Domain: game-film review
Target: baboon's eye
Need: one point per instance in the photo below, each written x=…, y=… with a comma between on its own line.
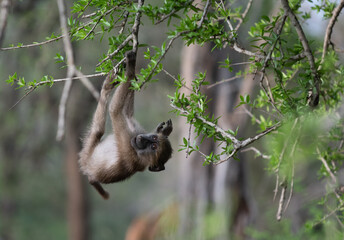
x=154, y=146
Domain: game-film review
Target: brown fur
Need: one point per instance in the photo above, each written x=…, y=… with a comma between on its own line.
x=117, y=158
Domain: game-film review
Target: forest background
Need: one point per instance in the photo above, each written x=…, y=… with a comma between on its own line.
x=255, y=93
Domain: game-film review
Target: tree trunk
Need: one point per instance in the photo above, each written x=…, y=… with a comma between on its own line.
x=206, y=190
x=196, y=187
x=77, y=207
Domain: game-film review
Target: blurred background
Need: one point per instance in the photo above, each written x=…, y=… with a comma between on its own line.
x=42, y=194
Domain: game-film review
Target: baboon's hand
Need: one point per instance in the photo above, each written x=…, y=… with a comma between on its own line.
x=168, y=128
x=160, y=127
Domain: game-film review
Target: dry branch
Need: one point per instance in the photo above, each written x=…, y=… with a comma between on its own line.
x=70, y=71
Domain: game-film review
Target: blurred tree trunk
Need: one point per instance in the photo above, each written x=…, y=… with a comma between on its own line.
x=220, y=190
x=9, y=183
x=77, y=207
x=10, y=174
x=196, y=192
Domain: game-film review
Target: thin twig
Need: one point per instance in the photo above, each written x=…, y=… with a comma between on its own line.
x=292, y=172
x=205, y=10
x=266, y=61
x=94, y=27
x=118, y=49
x=313, y=98
x=66, y=79
x=280, y=158
x=22, y=98
x=259, y=153
x=189, y=138
x=235, y=45
x=237, y=144
x=175, y=79
x=217, y=129
x=327, y=168
x=30, y=89
x=251, y=115
x=281, y=202
x=32, y=45
x=270, y=92
x=136, y=25
x=243, y=15
x=122, y=25
x=250, y=140
x=62, y=109
x=330, y=214
x=328, y=33
x=164, y=17
x=87, y=84
x=224, y=81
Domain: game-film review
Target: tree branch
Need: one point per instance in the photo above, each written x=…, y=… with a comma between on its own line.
x=135, y=29
x=327, y=38
x=164, y=17
x=120, y=47
x=259, y=153
x=32, y=45
x=199, y=25
x=237, y=144
x=281, y=201
x=243, y=15
x=313, y=98
x=217, y=128
x=328, y=169
x=87, y=84
x=70, y=71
